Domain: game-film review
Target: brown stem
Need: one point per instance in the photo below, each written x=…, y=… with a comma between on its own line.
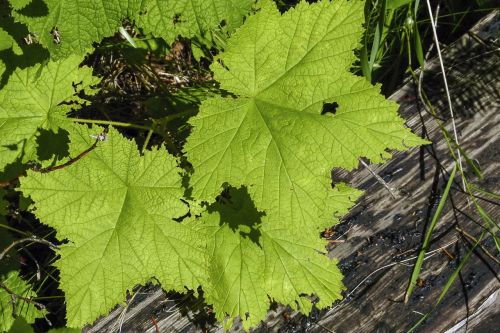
x=15, y=297
x=472, y=238
x=33, y=239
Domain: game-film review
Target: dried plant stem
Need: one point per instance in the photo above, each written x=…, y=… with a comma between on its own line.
x=32, y=239
x=15, y=297
x=379, y=179
x=448, y=96
x=473, y=239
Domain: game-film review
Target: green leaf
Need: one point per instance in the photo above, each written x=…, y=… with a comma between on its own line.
x=6, y=40
x=189, y=18
x=21, y=326
x=417, y=42
x=272, y=137
x=19, y=4
x=235, y=275
x=252, y=260
x=23, y=309
x=79, y=24
x=116, y=208
x=32, y=100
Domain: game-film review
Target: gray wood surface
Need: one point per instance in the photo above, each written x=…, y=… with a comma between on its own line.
x=378, y=239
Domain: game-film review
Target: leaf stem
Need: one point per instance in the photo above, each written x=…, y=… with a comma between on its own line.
x=15, y=297
x=148, y=137
x=109, y=122
x=13, y=229
x=189, y=112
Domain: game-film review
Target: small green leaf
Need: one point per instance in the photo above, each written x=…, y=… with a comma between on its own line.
x=21, y=326
x=6, y=40
x=32, y=100
x=189, y=18
x=19, y=4
x=23, y=309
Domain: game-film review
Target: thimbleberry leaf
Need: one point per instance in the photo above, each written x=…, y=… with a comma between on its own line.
x=272, y=135
x=116, y=209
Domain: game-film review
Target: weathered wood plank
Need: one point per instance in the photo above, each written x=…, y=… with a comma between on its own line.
x=381, y=232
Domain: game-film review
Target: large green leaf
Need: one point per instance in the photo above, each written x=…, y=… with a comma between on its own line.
x=273, y=137
x=23, y=309
x=116, y=208
x=34, y=99
x=80, y=23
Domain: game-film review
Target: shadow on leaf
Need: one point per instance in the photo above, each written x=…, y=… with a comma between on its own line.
x=52, y=146
x=25, y=54
x=36, y=8
x=238, y=211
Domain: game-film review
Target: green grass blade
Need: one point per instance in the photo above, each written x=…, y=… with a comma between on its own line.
x=365, y=66
x=416, y=6
x=417, y=42
x=377, y=37
x=425, y=246
x=492, y=195
x=448, y=283
x=492, y=226
x=395, y=4
x=472, y=165
x=127, y=36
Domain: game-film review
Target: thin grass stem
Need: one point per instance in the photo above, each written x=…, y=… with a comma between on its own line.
x=448, y=283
